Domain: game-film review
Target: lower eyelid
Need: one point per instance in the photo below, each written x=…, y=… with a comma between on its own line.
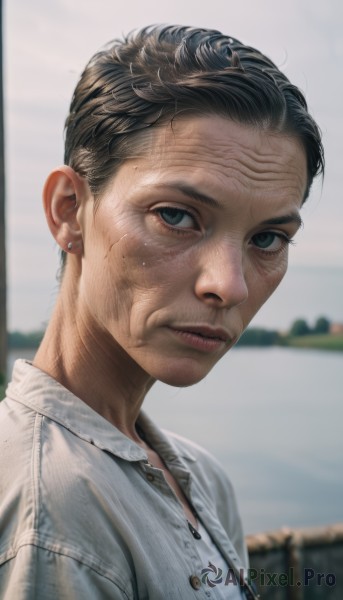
x=185, y=212
x=285, y=241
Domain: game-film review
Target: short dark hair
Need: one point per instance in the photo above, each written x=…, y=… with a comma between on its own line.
x=160, y=72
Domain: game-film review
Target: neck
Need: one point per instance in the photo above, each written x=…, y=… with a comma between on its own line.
x=91, y=364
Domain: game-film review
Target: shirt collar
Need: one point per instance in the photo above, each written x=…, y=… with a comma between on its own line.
x=43, y=394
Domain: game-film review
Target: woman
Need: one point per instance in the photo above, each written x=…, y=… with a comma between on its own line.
x=188, y=158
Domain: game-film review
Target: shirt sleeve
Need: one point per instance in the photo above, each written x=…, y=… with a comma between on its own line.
x=37, y=574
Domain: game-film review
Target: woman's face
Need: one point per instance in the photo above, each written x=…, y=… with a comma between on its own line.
x=188, y=241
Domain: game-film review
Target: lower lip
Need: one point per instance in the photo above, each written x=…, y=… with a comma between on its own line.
x=205, y=344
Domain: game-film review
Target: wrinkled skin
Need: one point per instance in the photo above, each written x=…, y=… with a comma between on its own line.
x=146, y=270
x=192, y=233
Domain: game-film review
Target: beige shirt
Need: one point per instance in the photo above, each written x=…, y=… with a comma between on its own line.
x=84, y=516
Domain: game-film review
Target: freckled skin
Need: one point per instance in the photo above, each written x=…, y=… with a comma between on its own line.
x=139, y=276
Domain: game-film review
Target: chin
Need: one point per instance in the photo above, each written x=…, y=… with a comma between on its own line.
x=182, y=376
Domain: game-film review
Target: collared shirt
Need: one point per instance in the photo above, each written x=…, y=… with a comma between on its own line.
x=83, y=515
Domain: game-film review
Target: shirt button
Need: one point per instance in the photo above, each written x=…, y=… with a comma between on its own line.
x=150, y=477
x=195, y=582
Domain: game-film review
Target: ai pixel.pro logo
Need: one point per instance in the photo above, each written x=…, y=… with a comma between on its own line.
x=213, y=576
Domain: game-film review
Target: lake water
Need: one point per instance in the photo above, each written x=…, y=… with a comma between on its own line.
x=273, y=418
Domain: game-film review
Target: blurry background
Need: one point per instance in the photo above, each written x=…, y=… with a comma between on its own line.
x=270, y=415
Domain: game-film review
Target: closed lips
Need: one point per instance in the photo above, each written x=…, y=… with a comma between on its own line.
x=214, y=334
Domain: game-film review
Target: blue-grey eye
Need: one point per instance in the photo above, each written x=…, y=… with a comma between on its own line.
x=265, y=240
x=176, y=217
x=269, y=241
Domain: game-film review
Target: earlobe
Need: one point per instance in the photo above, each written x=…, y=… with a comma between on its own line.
x=63, y=195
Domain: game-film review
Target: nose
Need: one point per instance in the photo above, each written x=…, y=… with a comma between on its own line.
x=221, y=279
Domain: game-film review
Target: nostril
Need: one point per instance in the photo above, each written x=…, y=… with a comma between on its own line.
x=212, y=296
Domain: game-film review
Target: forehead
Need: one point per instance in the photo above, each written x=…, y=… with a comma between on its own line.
x=217, y=153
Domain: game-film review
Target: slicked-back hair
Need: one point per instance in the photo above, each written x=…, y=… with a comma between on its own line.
x=160, y=72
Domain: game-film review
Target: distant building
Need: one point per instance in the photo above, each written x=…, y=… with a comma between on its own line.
x=336, y=328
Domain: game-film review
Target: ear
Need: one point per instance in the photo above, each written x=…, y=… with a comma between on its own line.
x=64, y=192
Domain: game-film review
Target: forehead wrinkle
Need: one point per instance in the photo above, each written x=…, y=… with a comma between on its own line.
x=230, y=154
x=193, y=130
x=252, y=140
x=233, y=166
x=232, y=176
x=247, y=158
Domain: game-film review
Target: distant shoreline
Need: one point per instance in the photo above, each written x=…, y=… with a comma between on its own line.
x=323, y=335
x=330, y=342
x=252, y=337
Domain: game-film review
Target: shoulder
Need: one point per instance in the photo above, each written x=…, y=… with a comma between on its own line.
x=51, y=506
x=17, y=431
x=17, y=492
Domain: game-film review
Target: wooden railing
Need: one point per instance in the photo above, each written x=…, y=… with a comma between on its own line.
x=298, y=564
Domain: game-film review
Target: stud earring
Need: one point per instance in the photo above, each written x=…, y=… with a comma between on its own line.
x=70, y=245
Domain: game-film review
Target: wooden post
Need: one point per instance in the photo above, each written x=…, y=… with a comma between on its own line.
x=3, y=288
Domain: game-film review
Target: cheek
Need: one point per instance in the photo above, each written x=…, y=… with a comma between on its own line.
x=146, y=264
x=264, y=280
x=135, y=280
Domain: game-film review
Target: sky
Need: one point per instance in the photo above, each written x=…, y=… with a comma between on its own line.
x=47, y=44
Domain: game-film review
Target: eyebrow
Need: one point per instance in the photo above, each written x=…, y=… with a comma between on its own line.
x=192, y=192
x=293, y=217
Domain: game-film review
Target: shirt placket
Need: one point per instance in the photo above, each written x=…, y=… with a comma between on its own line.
x=156, y=477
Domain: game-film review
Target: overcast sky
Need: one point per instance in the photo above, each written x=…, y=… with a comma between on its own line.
x=46, y=45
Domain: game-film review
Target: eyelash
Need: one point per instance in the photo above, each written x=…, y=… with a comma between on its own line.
x=185, y=230
x=175, y=228
x=284, y=239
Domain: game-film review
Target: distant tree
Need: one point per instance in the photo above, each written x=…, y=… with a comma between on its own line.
x=18, y=339
x=299, y=327
x=258, y=337
x=322, y=325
